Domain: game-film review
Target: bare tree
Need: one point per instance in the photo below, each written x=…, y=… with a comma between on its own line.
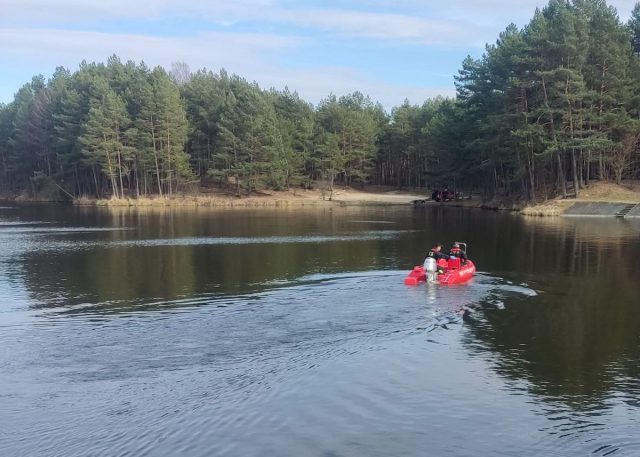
x=180, y=73
x=622, y=156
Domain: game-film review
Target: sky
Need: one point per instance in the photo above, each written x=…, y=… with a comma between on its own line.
x=391, y=50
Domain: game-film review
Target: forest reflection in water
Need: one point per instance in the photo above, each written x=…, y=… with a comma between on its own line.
x=578, y=340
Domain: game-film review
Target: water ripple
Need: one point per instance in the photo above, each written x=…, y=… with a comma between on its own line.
x=326, y=364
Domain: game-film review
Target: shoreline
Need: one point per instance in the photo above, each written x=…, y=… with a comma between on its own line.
x=273, y=199
x=597, y=192
x=349, y=197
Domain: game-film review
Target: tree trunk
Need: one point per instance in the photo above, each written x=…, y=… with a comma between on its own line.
x=574, y=160
x=169, y=163
x=574, y=170
x=333, y=175
x=532, y=183
x=95, y=180
x=112, y=175
x=600, y=111
x=155, y=156
x=561, y=176
x=120, y=173
x=136, y=176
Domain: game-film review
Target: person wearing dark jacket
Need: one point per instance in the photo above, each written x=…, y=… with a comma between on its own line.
x=457, y=252
x=437, y=254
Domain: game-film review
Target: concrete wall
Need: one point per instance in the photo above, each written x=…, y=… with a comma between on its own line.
x=635, y=212
x=600, y=209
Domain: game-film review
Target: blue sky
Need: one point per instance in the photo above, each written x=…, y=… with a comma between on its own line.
x=391, y=50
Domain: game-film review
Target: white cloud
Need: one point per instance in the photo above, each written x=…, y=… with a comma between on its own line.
x=248, y=55
x=376, y=25
x=68, y=47
x=344, y=22
x=462, y=21
x=18, y=12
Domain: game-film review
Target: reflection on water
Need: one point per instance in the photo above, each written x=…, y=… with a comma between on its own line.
x=289, y=332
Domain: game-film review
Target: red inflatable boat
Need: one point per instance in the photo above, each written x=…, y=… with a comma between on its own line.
x=455, y=273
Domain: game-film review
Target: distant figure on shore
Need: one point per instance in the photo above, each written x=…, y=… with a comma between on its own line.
x=442, y=195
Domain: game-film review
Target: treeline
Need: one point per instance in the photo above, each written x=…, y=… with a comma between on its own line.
x=553, y=103
x=122, y=129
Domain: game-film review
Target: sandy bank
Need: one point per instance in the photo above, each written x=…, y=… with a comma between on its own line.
x=341, y=197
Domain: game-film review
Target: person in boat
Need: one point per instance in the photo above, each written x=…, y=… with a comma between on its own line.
x=456, y=251
x=437, y=254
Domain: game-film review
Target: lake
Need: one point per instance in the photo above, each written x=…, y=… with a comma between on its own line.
x=289, y=332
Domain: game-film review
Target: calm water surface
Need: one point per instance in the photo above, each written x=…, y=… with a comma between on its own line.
x=290, y=333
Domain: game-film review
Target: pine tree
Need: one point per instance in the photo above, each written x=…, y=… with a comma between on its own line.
x=104, y=138
x=634, y=28
x=172, y=131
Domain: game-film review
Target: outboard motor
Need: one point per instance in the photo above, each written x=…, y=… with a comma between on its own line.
x=431, y=269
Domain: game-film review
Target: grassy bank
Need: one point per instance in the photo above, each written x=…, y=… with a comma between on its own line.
x=340, y=197
x=596, y=192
